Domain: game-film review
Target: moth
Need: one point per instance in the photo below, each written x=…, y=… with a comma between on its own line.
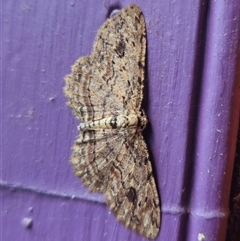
x=105, y=91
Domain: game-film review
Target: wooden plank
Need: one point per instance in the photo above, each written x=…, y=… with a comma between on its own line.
x=217, y=124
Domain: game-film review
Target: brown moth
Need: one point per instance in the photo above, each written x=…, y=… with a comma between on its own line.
x=105, y=91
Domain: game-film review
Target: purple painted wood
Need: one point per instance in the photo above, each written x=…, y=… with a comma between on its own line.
x=217, y=123
x=192, y=48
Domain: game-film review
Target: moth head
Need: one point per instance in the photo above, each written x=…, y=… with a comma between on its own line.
x=142, y=120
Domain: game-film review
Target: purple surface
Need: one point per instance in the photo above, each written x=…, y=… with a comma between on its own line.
x=218, y=122
x=191, y=62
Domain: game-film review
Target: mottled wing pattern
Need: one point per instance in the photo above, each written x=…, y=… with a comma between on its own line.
x=86, y=101
x=93, y=155
x=131, y=194
x=111, y=79
x=119, y=54
x=120, y=168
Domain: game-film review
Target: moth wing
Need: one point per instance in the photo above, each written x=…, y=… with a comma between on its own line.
x=119, y=57
x=131, y=194
x=111, y=79
x=85, y=99
x=93, y=155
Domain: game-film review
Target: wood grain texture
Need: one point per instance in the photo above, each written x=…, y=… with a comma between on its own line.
x=41, y=39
